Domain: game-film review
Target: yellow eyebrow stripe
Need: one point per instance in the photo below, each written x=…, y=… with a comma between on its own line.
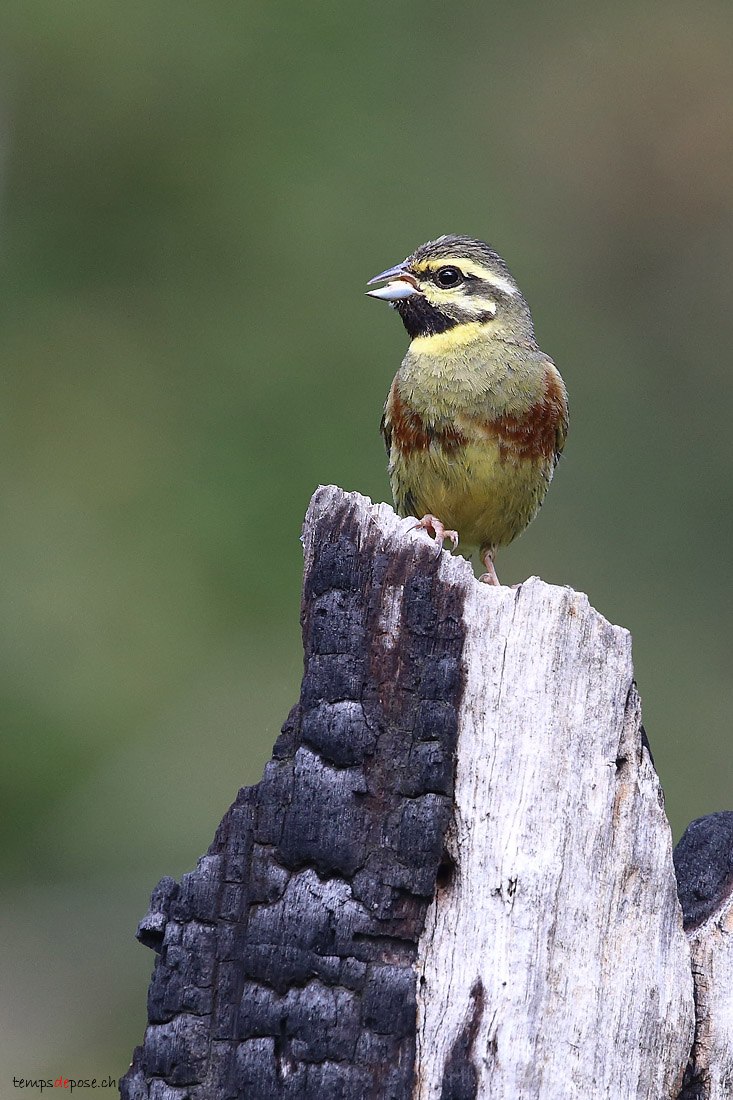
x=468, y=267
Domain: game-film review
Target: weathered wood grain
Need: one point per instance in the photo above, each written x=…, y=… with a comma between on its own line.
x=553, y=964
x=454, y=880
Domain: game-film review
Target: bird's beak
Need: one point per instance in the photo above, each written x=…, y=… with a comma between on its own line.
x=400, y=284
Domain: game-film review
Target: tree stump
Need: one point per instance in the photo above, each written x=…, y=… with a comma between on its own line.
x=455, y=879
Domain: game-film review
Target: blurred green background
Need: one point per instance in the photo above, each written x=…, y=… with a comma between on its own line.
x=192, y=198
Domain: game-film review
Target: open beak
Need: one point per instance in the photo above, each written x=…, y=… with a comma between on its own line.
x=400, y=284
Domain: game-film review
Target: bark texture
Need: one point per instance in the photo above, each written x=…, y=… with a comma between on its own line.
x=286, y=960
x=454, y=880
x=704, y=864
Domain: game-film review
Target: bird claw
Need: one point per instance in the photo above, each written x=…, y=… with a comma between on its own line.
x=432, y=524
x=490, y=576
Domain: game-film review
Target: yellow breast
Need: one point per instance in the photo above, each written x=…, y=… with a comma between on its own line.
x=474, y=489
x=475, y=441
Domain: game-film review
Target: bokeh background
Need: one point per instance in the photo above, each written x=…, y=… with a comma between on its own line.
x=192, y=198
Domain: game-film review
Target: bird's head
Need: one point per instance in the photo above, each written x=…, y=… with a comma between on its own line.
x=455, y=281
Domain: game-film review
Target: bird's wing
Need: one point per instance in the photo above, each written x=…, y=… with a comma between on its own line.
x=385, y=425
x=526, y=409
x=557, y=395
x=385, y=428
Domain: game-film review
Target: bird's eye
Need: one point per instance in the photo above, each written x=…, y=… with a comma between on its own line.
x=448, y=276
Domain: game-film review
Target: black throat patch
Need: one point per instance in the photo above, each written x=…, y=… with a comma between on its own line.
x=420, y=318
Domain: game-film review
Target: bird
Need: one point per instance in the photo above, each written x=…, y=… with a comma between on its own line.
x=477, y=415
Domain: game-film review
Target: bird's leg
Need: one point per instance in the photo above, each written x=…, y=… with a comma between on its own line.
x=433, y=524
x=490, y=576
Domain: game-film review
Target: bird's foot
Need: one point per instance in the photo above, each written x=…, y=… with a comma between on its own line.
x=432, y=524
x=490, y=576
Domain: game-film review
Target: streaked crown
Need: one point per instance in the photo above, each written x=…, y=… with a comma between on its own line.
x=455, y=280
